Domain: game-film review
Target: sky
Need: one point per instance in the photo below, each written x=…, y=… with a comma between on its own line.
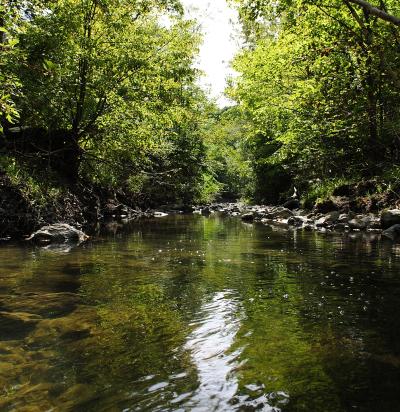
x=220, y=43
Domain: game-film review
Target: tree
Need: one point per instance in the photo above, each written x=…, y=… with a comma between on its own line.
x=85, y=58
x=319, y=85
x=9, y=18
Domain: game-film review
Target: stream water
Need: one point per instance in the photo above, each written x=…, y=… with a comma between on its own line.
x=192, y=313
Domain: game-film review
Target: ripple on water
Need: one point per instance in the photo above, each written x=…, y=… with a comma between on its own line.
x=210, y=344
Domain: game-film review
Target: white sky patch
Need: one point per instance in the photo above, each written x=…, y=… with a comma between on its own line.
x=219, y=25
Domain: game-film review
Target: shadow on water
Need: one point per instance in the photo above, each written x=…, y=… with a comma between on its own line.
x=189, y=313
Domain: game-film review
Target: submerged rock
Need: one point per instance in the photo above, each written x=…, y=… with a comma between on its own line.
x=16, y=325
x=58, y=233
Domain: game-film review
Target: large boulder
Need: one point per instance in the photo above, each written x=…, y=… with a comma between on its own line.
x=58, y=233
x=390, y=218
x=206, y=211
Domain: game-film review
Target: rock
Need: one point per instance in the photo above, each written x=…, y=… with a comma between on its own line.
x=374, y=223
x=359, y=222
x=113, y=208
x=374, y=230
x=392, y=233
x=343, y=218
x=78, y=325
x=248, y=217
x=58, y=233
x=292, y=204
x=44, y=304
x=279, y=213
x=297, y=221
x=17, y=325
x=300, y=212
x=334, y=203
x=206, y=211
x=160, y=214
x=328, y=219
x=340, y=227
x=187, y=209
x=75, y=396
x=390, y=218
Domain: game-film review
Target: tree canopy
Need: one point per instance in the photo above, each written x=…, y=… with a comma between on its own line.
x=319, y=87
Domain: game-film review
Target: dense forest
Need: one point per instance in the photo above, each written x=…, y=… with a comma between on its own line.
x=100, y=99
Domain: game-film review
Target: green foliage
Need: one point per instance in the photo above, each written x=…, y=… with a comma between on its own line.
x=320, y=190
x=9, y=82
x=319, y=89
x=228, y=160
x=121, y=88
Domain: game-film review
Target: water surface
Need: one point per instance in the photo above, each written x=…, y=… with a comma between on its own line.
x=189, y=313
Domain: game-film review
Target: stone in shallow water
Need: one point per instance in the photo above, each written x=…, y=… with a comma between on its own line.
x=17, y=325
x=44, y=304
x=76, y=326
x=296, y=221
x=58, y=233
x=76, y=395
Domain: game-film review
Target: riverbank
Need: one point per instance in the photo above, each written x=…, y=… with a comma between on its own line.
x=25, y=208
x=385, y=223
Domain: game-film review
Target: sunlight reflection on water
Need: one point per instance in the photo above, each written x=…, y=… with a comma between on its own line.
x=210, y=343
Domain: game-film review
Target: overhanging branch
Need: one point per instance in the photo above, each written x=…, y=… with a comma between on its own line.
x=377, y=12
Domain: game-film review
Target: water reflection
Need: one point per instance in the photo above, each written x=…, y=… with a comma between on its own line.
x=202, y=314
x=210, y=342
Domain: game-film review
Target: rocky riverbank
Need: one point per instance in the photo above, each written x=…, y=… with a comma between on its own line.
x=83, y=206
x=386, y=223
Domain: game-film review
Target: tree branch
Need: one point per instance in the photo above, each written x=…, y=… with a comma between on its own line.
x=377, y=12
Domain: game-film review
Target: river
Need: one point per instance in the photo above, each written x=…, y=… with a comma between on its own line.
x=193, y=313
